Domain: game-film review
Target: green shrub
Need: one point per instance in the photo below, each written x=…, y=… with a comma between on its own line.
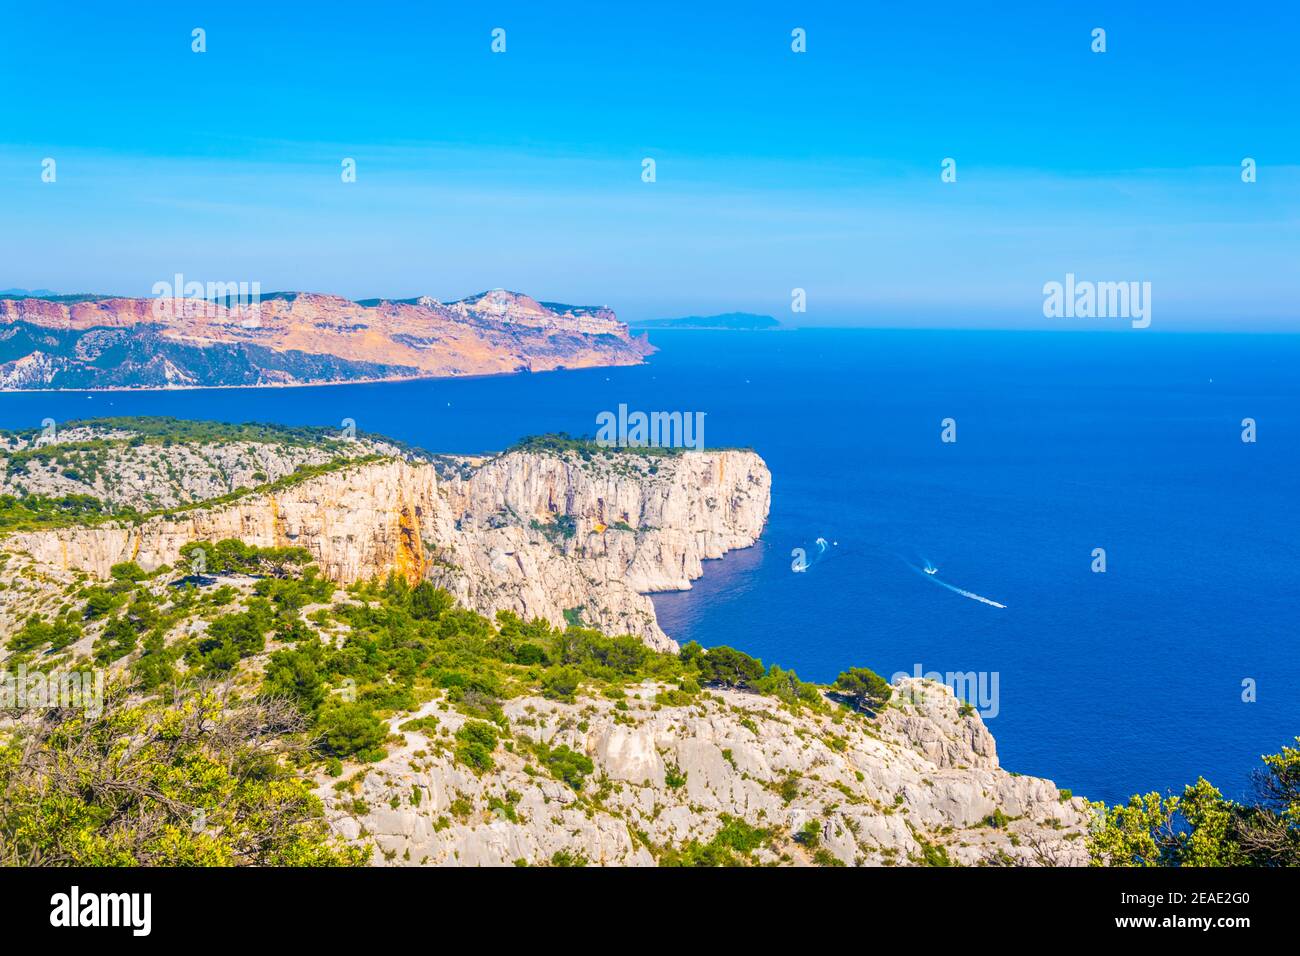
x=296, y=674
x=810, y=834
x=561, y=683
x=864, y=687
x=729, y=667
x=567, y=765
x=349, y=729
x=476, y=741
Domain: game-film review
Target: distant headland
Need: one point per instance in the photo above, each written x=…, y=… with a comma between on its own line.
x=192, y=336
x=727, y=321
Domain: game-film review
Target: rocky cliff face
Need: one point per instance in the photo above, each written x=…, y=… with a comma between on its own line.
x=875, y=793
x=541, y=534
x=352, y=521
x=529, y=532
x=297, y=338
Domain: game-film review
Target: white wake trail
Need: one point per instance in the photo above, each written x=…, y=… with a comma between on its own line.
x=956, y=590
x=970, y=594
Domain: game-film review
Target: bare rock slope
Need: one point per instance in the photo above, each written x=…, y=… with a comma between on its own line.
x=918, y=785
x=536, y=533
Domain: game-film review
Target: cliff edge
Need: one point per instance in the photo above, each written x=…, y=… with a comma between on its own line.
x=546, y=535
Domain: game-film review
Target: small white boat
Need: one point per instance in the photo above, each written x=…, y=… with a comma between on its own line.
x=930, y=570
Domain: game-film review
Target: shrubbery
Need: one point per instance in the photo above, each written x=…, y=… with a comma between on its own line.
x=193, y=781
x=397, y=646
x=1201, y=828
x=476, y=740
x=866, y=688
x=233, y=556
x=349, y=730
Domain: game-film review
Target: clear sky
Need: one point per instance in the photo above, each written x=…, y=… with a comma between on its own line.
x=775, y=170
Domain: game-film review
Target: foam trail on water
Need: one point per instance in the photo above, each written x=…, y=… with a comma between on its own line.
x=806, y=562
x=970, y=594
x=956, y=590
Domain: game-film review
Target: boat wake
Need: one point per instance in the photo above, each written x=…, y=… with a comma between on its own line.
x=821, y=552
x=930, y=573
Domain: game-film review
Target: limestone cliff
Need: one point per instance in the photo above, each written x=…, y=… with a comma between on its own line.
x=875, y=792
x=632, y=525
x=489, y=534
x=97, y=342
x=111, y=463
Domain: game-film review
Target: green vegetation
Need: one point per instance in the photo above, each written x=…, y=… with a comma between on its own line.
x=565, y=764
x=334, y=680
x=561, y=683
x=997, y=820
x=932, y=854
x=725, y=666
x=34, y=512
x=37, y=632
x=88, y=459
x=174, y=746
x=232, y=556
x=560, y=443
x=864, y=687
x=558, y=529
x=569, y=858
x=164, y=430
x=350, y=730
x=39, y=511
x=296, y=477
x=1201, y=828
x=810, y=835
x=193, y=781
x=732, y=845
x=71, y=299
x=476, y=741
x=674, y=777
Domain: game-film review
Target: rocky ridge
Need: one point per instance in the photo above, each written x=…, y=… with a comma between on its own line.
x=924, y=774
x=535, y=533
x=149, y=476
x=297, y=338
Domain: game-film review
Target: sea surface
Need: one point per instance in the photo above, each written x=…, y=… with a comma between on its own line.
x=1108, y=683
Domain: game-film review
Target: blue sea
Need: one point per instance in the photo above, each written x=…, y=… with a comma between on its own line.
x=1108, y=683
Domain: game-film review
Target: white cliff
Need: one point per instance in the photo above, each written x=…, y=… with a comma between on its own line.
x=876, y=791
x=490, y=538
x=634, y=530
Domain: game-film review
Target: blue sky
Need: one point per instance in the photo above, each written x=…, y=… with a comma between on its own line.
x=775, y=170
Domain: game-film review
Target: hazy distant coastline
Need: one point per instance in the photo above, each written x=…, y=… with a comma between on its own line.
x=725, y=322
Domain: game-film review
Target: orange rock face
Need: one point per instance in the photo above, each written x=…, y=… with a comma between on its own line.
x=490, y=333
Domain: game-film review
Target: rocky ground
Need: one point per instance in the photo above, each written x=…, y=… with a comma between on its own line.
x=150, y=476
x=865, y=791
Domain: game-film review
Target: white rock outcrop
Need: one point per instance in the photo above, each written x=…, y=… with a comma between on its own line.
x=535, y=533
x=877, y=790
x=634, y=524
